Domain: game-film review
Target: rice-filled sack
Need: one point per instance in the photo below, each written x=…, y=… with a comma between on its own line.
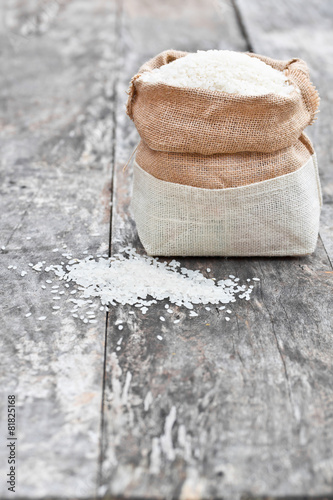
x=223, y=166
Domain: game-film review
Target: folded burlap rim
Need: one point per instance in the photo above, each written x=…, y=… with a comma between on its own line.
x=188, y=120
x=224, y=170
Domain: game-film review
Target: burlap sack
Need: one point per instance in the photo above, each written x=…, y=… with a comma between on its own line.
x=186, y=120
x=221, y=174
x=223, y=170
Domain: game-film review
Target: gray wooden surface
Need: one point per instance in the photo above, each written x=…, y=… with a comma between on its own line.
x=216, y=410
x=56, y=137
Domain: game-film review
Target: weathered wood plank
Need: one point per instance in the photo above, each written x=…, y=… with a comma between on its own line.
x=216, y=409
x=326, y=229
x=56, y=134
x=302, y=29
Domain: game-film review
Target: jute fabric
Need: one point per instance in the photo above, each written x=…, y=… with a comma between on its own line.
x=193, y=120
x=223, y=170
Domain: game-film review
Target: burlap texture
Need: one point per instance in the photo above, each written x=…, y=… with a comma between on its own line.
x=223, y=170
x=187, y=120
x=279, y=216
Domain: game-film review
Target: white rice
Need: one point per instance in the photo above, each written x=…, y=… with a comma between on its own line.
x=154, y=280
x=111, y=280
x=221, y=70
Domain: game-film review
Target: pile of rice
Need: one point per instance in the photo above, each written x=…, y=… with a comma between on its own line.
x=222, y=70
x=111, y=281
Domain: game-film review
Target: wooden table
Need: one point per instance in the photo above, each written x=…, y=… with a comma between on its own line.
x=217, y=410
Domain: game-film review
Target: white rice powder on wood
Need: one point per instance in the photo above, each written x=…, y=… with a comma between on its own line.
x=221, y=70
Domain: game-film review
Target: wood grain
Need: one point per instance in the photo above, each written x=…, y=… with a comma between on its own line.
x=215, y=409
x=56, y=131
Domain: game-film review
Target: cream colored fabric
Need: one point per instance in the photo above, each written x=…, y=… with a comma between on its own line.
x=279, y=216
